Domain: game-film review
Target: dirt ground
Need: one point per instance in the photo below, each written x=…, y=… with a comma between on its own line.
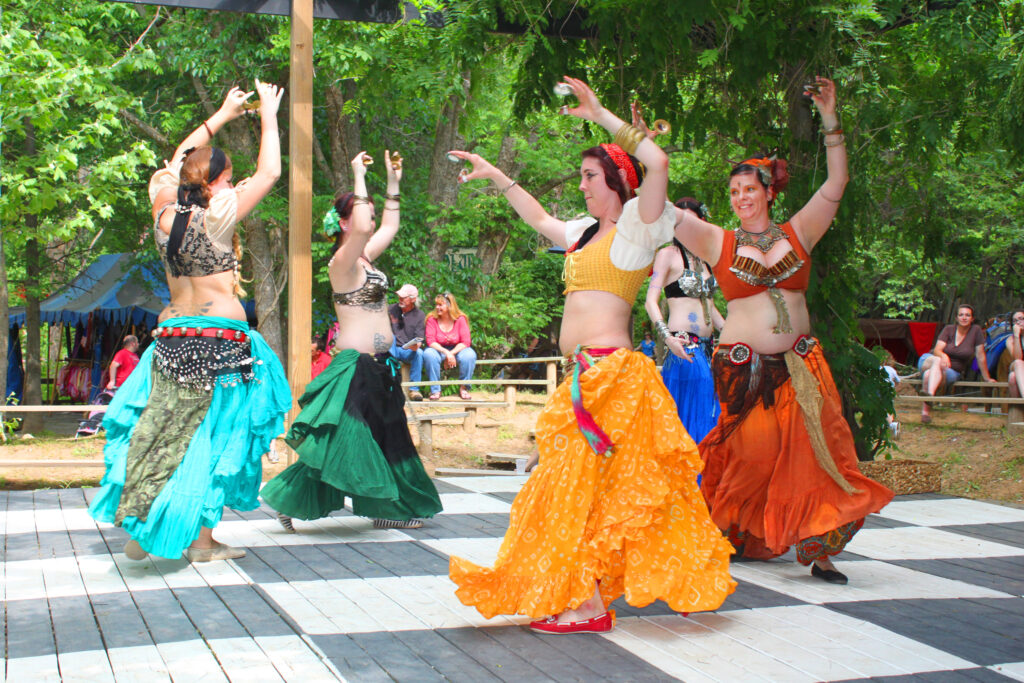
x=979, y=459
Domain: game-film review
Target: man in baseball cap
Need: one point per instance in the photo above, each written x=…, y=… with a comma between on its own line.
x=408, y=323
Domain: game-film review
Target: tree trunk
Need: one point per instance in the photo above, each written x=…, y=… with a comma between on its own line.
x=33, y=389
x=443, y=185
x=344, y=134
x=494, y=238
x=264, y=261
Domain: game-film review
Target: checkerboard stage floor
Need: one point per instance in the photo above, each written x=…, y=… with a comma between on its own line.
x=935, y=594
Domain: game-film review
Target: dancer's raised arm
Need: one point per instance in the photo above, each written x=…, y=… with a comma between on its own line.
x=813, y=220
x=389, y=220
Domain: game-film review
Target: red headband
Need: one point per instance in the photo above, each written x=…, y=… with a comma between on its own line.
x=621, y=159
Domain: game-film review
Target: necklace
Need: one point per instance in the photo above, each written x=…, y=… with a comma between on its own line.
x=762, y=241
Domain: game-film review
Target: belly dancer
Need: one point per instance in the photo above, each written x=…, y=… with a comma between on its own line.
x=692, y=318
x=780, y=466
x=613, y=507
x=187, y=430
x=351, y=436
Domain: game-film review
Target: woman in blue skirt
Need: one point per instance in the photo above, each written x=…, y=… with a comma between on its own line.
x=187, y=430
x=692, y=317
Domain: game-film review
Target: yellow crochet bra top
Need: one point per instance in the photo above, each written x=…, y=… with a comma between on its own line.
x=591, y=268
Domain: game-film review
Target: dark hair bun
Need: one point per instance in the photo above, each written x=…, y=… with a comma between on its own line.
x=780, y=175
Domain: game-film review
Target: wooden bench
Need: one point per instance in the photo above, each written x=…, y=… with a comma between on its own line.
x=425, y=429
x=76, y=408
x=1015, y=405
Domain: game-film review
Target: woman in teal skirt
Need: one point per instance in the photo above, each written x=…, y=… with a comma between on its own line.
x=187, y=430
x=351, y=436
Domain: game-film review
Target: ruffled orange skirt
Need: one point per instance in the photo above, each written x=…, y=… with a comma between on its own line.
x=635, y=521
x=761, y=479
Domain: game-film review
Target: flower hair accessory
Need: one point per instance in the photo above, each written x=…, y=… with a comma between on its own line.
x=621, y=159
x=332, y=222
x=764, y=169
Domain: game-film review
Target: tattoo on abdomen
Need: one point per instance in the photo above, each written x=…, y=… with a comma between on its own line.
x=380, y=343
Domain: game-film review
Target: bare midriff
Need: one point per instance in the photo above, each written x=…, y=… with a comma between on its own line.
x=594, y=318
x=212, y=295
x=363, y=330
x=750, y=320
x=686, y=314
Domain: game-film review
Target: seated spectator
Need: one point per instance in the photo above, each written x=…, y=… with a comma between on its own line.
x=408, y=324
x=448, y=341
x=951, y=357
x=321, y=359
x=1015, y=347
x=124, y=362
x=646, y=347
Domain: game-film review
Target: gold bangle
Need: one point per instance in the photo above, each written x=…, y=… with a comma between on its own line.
x=628, y=138
x=833, y=130
x=836, y=143
x=392, y=197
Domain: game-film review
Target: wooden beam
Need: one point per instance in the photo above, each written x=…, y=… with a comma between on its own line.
x=300, y=199
x=375, y=11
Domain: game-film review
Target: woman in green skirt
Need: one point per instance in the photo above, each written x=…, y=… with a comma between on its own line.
x=351, y=436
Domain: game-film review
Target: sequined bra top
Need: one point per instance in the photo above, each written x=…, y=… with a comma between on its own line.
x=691, y=284
x=741, y=276
x=197, y=256
x=592, y=269
x=373, y=291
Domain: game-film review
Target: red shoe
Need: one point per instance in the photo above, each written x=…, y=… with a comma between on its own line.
x=602, y=623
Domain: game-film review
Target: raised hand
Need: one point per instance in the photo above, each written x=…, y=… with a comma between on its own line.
x=394, y=174
x=825, y=98
x=359, y=165
x=270, y=98
x=233, y=102
x=589, y=106
x=639, y=123
x=675, y=345
x=481, y=167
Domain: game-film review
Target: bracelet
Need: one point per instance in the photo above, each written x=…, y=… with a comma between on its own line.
x=836, y=143
x=834, y=130
x=391, y=208
x=509, y=187
x=662, y=329
x=628, y=138
x=359, y=199
x=392, y=197
x=207, y=127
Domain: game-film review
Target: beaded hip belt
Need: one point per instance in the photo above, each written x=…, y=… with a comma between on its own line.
x=200, y=361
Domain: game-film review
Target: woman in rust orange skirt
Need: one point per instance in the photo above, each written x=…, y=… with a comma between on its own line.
x=781, y=469
x=613, y=507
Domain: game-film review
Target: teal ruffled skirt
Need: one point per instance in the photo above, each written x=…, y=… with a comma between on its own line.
x=222, y=462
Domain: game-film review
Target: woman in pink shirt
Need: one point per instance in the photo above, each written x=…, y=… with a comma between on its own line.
x=448, y=342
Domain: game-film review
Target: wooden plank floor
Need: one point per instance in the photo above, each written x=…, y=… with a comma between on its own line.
x=936, y=593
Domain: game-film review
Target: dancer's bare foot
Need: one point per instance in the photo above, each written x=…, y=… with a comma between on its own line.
x=593, y=607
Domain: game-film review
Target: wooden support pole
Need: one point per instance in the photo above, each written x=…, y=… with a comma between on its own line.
x=300, y=199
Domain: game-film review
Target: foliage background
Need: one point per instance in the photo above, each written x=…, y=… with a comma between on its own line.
x=931, y=96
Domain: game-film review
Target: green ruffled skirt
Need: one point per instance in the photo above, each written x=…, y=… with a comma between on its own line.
x=353, y=441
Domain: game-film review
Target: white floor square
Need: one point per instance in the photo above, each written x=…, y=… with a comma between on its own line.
x=951, y=511
x=869, y=580
x=924, y=543
x=488, y=484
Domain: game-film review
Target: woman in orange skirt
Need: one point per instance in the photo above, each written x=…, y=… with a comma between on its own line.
x=780, y=466
x=613, y=508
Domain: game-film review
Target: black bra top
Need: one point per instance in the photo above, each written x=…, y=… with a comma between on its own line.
x=691, y=284
x=197, y=256
x=374, y=290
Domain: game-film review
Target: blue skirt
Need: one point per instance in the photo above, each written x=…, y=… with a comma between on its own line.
x=222, y=464
x=693, y=389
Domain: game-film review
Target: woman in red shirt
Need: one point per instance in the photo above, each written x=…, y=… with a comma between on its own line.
x=448, y=342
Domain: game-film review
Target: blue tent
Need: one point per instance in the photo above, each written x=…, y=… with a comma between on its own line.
x=115, y=287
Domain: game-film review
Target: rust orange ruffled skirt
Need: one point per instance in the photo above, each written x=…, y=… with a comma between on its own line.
x=635, y=520
x=762, y=480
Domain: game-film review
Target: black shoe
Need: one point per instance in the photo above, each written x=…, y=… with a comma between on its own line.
x=829, y=575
